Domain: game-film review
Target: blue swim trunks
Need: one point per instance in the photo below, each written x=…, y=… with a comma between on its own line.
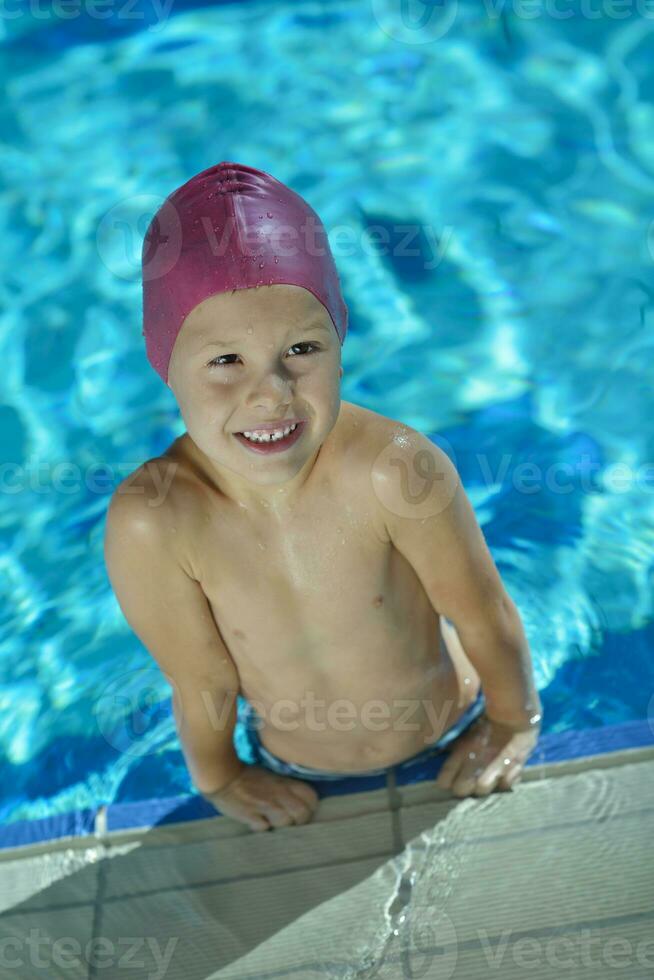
x=262, y=756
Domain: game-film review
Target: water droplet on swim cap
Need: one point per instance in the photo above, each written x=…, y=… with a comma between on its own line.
x=200, y=263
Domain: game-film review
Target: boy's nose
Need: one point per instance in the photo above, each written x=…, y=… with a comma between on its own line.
x=272, y=393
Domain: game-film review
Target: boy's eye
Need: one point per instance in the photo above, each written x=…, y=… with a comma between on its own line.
x=216, y=361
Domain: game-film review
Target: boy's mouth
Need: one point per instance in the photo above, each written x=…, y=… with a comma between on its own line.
x=272, y=445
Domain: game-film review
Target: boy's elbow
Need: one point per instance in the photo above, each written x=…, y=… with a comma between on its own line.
x=206, y=711
x=491, y=621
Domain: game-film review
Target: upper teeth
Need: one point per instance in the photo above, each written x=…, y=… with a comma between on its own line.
x=270, y=436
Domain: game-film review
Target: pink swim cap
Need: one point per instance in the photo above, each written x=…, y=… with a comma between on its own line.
x=230, y=227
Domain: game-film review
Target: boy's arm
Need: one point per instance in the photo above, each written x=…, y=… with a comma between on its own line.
x=432, y=523
x=170, y=614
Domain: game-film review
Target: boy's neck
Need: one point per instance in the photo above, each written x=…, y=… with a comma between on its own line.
x=272, y=501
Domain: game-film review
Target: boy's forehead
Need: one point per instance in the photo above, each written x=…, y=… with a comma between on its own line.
x=278, y=306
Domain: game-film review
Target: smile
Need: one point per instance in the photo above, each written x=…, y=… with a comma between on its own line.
x=269, y=445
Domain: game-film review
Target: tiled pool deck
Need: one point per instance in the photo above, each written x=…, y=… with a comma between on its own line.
x=565, y=858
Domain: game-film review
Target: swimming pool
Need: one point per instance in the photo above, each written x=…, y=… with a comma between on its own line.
x=519, y=337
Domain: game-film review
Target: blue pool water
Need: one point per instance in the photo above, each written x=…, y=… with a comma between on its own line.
x=519, y=337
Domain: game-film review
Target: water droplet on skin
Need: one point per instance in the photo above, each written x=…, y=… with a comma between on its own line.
x=276, y=260
x=261, y=265
x=269, y=214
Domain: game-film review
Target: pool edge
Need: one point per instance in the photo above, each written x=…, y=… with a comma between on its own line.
x=87, y=827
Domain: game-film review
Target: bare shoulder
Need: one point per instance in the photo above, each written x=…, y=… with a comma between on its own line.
x=366, y=438
x=152, y=502
x=403, y=472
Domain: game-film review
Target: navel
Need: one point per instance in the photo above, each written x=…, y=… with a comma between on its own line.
x=378, y=600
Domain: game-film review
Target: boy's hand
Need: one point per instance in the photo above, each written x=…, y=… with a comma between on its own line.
x=262, y=799
x=488, y=756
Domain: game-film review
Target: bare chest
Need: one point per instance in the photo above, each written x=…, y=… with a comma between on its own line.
x=304, y=602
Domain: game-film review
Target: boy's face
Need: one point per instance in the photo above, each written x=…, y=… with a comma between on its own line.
x=252, y=356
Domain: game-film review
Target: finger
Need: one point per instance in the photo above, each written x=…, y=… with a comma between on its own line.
x=451, y=767
x=259, y=823
x=277, y=815
x=467, y=781
x=486, y=784
x=495, y=774
x=304, y=791
x=511, y=777
x=299, y=809
x=481, y=780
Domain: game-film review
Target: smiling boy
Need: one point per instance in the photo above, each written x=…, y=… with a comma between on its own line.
x=332, y=573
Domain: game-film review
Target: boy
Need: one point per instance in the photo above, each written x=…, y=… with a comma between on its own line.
x=335, y=567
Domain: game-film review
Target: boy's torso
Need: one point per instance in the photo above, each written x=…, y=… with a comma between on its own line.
x=321, y=614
